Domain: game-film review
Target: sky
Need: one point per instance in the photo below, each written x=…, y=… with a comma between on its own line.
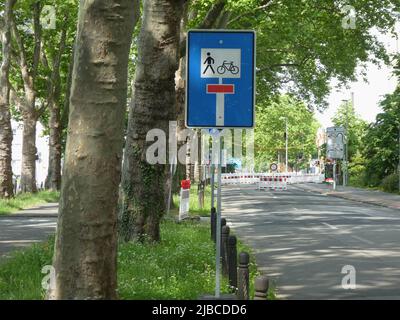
x=366, y=95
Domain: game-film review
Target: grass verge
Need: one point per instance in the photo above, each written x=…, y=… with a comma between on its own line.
x=180, y=267
x=27, y=200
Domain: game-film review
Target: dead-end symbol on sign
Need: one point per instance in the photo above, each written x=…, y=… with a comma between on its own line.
x=220, y=90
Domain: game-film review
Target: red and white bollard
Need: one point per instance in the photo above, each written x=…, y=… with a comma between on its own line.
x=184, y=203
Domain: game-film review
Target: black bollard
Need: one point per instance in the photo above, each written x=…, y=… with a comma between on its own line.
x=232, y=262
x=223, y=222
x=213, y=219
x=243, y=276
x=261, y=285
x=224, y=251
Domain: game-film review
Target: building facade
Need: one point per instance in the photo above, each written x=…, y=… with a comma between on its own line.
x=42, y=162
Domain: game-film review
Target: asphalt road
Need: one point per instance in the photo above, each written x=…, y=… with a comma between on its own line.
x=302, y=241
x=21, y=230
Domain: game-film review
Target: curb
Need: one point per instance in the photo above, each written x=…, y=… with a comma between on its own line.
x=339, y=195
x=28, y=215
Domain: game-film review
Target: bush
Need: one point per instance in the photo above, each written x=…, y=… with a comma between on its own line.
x=391, y=183
x=357, y=176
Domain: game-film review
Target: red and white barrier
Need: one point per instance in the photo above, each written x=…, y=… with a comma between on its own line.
x=272, y=183
x=255, y=178
x=236, y=178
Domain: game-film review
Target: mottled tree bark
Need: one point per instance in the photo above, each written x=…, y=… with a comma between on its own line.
x=180, y=173
x=29, y=153
x=53, y=179
x=28, y=108
x=6, y=135
x=86, y=242
x=153, y=103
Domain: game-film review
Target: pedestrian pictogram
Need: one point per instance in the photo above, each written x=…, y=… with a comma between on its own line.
x=220, y=79
x=209, y=61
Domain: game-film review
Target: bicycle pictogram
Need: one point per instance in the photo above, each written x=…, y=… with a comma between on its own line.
x=228, y=66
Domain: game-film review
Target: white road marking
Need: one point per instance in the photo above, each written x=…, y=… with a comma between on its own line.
x=330, y=226
x=363, y=240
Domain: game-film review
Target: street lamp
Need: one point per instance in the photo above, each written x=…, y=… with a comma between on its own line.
x=286, y=141
x=346, y=156
x=346, y=102
x=398, y=164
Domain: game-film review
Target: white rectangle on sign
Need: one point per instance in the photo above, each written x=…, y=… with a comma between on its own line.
x=220, y=63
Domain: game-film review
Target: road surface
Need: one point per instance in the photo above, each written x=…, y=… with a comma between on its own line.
x=302, y=241
x=21, y=230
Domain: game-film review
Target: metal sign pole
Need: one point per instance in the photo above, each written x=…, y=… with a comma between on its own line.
x=218, y=231
x=334, y=175
x=212, y=184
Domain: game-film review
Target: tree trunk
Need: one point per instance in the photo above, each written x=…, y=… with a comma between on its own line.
x=53, y=179
x=153, y=103
x=29, y=153
x=180, y=76
x=86, y=243
x=29, y=112
x=6, y=135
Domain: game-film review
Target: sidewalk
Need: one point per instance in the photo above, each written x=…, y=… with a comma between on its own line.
x=24, y=228
x=355, y=194
x=40, y=211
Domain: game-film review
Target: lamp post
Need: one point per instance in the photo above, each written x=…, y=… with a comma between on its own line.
x=286, y=142
x=346, y=155
x=398, y=164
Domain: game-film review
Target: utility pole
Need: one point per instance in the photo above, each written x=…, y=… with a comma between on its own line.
x=347, y=141
x=286, y=141
x=346, y=155
x=398, y=165
x=398, y=61
x=346, y=126
x=286, y=125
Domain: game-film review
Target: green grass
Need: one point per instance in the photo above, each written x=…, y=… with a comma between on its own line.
x=27, y=200
x=20, y=275
x=181, y=266
x=205, y=212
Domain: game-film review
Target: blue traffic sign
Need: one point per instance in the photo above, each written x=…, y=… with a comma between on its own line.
x=220, y=79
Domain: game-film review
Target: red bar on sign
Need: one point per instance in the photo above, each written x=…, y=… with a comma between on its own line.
x=220, y=88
